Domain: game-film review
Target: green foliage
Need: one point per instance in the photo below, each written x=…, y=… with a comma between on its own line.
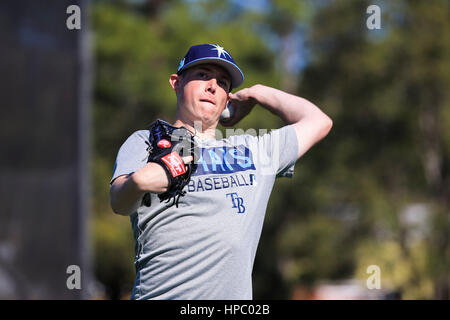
x=327, y=235
x=386, y=95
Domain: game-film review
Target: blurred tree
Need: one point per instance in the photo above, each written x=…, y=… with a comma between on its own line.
x=387, y=92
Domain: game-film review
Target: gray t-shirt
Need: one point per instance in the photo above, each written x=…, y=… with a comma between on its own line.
x=205, y=248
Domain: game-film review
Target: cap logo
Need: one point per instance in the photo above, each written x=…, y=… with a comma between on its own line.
x=220, y=51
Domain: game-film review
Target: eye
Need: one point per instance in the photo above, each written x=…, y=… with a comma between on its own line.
x=224, y=84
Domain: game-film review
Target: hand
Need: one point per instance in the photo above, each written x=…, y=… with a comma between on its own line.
x=243, y=102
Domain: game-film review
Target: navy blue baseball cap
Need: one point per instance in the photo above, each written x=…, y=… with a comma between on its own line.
x=215, y=54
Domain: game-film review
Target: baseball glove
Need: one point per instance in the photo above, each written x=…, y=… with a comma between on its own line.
x=166, y=146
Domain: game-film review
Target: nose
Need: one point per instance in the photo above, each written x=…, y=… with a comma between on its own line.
x=212, y=85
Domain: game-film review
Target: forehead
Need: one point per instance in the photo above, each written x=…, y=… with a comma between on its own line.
x=213, y=68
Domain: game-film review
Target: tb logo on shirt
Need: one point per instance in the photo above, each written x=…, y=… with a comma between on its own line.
x=238, y=202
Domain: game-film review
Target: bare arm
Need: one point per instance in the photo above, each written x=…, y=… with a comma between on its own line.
x=126, y=191
x=310, y=124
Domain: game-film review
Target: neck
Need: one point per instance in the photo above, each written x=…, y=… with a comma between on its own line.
x=199, y=130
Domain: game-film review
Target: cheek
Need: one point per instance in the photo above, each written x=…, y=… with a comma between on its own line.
x=191, y=89
x=188, y=94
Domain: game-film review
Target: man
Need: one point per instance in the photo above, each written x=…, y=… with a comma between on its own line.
x=204, y=247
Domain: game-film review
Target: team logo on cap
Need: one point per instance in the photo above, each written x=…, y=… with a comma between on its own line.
x=164, y=144
x=220, y=51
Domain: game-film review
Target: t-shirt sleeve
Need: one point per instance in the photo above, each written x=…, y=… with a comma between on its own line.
x=278, y=151
x=132, y=155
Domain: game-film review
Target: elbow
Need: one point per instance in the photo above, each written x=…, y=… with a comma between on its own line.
x=112, y=199
x=119, y=211
x=325, y=126
x=114, y=208
x=328, y=125
x=115, y=205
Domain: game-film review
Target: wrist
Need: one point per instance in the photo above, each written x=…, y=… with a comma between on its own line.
x=151, y=178
x=263, y=95
x=255, y=91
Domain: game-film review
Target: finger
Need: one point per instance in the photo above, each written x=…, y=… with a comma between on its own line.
x=236, y=96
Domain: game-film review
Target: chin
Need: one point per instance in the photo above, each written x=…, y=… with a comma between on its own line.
x=206, y=114
x=208, y=119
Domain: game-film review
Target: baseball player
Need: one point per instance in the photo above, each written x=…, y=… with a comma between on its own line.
x=197, y=203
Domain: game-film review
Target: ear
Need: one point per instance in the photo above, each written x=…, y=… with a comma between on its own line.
x=228, y=97
x=226, y=102
x=175, y=81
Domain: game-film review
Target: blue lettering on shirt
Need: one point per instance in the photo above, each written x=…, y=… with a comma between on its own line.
x=208, y=183
x=224, y=160
x=223, y=182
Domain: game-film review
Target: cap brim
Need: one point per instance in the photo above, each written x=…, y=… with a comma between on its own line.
x=237, y=77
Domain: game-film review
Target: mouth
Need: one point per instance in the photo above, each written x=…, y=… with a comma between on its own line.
x=207, y=100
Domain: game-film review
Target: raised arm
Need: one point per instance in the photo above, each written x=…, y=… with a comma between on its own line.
x=309, y=122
